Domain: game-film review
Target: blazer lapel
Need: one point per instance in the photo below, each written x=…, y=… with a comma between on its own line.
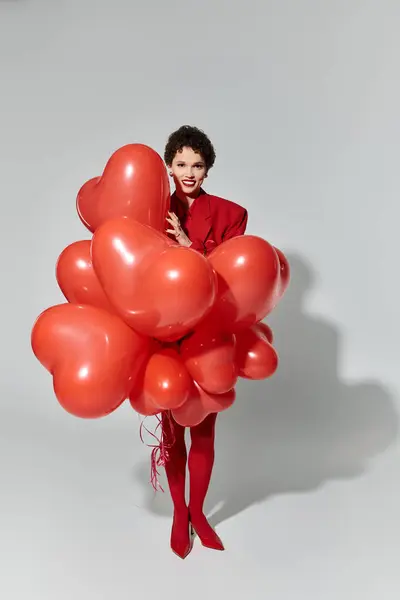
x=201, y=222
x=202, y=218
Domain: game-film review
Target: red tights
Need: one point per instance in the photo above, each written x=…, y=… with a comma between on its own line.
x=200, y=464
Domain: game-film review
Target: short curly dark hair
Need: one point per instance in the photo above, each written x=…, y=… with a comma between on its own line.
x=188, y=136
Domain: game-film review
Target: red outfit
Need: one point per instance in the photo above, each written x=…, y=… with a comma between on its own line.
x=208, y=222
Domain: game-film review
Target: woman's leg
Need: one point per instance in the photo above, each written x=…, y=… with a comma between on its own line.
x=175, y=468
x=201, y=462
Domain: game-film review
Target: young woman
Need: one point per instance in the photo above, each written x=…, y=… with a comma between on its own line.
x=202, y=222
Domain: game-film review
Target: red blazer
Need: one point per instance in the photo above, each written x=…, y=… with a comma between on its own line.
x=210, y=220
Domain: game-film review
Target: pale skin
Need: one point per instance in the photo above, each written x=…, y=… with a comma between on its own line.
x=188, y=171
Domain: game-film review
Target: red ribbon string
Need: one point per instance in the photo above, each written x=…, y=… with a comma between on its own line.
x=160, y=450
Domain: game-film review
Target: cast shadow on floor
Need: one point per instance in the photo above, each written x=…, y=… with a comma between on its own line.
x=298, y=430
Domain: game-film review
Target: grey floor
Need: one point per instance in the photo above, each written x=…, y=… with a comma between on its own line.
x=305, y=491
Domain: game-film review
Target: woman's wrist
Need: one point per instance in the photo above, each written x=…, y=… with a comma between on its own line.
x=183, y=240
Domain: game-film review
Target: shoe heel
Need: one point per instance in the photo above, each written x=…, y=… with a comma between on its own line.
x=212, y=540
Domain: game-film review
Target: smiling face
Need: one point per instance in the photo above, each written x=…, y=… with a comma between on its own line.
x=189, y=170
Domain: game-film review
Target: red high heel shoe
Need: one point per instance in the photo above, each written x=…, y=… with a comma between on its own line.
x=207, y=535
x=181, y=535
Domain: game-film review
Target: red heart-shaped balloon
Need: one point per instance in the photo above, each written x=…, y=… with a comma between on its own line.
x=94, y=357
x=200, y=404
x=284, y=272
x=248, y=271
x=266, y=331
x=165, y=385
x=256, y=358
x=77, y=279
x=143, y=405
x=158, y=288
x=209, y=356
x=134, y=184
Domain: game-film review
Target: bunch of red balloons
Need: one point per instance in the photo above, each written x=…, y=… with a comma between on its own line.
x=149, y=320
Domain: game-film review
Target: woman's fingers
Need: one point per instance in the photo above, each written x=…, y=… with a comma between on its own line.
x=175, y=227
x=174, y=221
x=174, y=217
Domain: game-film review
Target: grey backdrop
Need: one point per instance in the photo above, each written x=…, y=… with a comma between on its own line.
x=301, y=98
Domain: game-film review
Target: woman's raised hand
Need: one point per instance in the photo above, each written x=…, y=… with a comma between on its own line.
x=177, y=230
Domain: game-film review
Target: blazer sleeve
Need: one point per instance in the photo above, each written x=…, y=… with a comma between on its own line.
x=237, y=226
